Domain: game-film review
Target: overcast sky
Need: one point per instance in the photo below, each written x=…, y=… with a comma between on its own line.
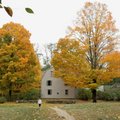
x=51, y=18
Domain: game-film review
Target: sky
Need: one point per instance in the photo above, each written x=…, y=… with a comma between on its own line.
x=51, y=18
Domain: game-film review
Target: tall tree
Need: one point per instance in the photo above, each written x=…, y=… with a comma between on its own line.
x=19, y=65
x=96, y=32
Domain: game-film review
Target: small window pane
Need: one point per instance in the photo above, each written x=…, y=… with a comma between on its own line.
x=66, y=92
x=49, y=92
x=49, y=82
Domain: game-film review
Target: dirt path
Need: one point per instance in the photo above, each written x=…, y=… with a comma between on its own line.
x=63, y=113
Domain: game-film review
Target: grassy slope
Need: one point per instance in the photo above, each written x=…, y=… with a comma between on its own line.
x=94, y=111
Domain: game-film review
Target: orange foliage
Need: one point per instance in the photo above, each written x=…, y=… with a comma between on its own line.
x=86, y=57
x=19, y=65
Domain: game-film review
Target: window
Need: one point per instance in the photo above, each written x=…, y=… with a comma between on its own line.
x=66, y=92
x=49, y=82
x=49, y=92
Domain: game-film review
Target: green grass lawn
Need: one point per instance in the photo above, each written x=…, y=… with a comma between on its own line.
x=13, y=111
x=81, y=111
x=94, y=111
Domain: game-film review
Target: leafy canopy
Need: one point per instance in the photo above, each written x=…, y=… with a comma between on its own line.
x=19, y=65
x=87, y=56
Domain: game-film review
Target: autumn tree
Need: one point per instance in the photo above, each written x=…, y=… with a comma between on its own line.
x=96, y=34
x=19, y=65
x=69, y=62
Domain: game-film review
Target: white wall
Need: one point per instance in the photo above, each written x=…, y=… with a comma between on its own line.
x=56, y=87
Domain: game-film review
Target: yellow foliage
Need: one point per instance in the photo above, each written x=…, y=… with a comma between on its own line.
x=93, y=85
x=86, y=57
x=69, y=62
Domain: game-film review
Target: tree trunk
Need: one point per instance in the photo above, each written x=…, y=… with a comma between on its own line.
x=10, y=95
x=94, y=97
x=10, y=92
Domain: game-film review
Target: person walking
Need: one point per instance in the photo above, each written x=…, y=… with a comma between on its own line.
x=39, y=102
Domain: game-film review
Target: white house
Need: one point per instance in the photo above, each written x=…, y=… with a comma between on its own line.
x=52, y=87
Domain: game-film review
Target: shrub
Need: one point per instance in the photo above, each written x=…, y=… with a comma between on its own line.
x=100, y=95
x=84, y=94
x=118, y=95
x=32, y=94
x=105, y=96
x=111, y=95
x=2, y=100
x=108, y=96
